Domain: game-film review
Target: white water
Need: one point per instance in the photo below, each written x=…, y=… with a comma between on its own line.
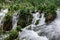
x=14, y=20
x=51, y=31
x=35, y=17
x=30, y=34
x=2, y=14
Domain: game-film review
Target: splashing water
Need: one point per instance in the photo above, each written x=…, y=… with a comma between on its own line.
x=35, y=17
x=14, y=20
x=30, y=34
x=2, y=14
x=51, y=31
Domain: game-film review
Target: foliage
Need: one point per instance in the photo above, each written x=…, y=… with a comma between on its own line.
x=18, y=28
x=25, y=7
x=13, y=34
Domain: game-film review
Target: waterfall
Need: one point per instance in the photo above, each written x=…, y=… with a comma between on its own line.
x=50, y=31
x=35, y=17
x=2, y=15
x=14, y=20
x=31, y=34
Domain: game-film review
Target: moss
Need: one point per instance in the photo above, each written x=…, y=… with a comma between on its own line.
x=0, y=8
x=7, y=22
x=7, y=38
x=25, y=18
x=50, y=17
x=16, y=39
x=22, y=23
x=13, y=34
x=18, y=28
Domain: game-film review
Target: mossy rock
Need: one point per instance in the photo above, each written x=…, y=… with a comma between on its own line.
x=7, y=22
x=25, y=18
x=50, y=17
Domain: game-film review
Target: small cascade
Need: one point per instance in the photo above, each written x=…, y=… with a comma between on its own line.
x=51, y=31
x=2, y=14
x=35, y=17
x=14, y=20
x=41, y=20
x=28, y=33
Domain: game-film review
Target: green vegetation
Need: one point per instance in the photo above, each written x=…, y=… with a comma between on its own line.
x=18, y=28
x=24, y=9
x=13, y=34
x=7, y=22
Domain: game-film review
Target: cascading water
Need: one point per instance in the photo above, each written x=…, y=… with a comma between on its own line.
x=14, y=20
x=51, y=31
x=30, y=34
x=2, y=14
x=35, y=17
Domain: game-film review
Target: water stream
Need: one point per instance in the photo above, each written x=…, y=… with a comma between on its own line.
x=29, y=32
x=41, y=30
x=14, y=20
x=2, y=14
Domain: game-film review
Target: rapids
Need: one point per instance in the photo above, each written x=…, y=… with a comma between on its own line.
x=50, y=31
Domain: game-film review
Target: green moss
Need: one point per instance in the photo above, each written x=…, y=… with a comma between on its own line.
x=7, y=22
x=13, y=34
x=16, y=39
x=18, y=28
x=50, y=17
x=7, y=38
x=25, y=18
